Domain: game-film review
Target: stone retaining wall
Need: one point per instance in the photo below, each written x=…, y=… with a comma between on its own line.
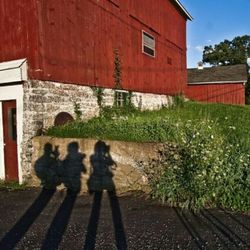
x=126, y=169
x=43, y=100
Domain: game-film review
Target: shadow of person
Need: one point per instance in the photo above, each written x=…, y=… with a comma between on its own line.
x=101, y=178
x=70, y=172
x=47, y=167
x=16, y=233
x=72, y=167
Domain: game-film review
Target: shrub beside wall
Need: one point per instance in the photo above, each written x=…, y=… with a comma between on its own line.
x=202, y=169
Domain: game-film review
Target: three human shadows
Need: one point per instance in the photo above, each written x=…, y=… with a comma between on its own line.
x=52, y=171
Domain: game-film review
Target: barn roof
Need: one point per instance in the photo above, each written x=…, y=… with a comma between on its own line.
x=219, y=74
x=182, y=8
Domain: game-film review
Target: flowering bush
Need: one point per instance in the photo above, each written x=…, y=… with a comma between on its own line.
x=206, y=163
x=204, y=170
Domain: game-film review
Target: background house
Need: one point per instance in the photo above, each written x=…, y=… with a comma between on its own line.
x=53, y=52
x=222, y=84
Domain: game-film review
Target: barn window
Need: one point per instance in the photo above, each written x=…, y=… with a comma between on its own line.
x=148, y=44
x=121, y=98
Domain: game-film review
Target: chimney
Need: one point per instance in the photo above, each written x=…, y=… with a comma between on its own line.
x=200, y=65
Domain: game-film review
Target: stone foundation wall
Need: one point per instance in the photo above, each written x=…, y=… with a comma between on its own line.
x=43, y=100
x=127, y=173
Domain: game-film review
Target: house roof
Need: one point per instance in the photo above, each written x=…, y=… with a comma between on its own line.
x=182, y=8
x=219, y=74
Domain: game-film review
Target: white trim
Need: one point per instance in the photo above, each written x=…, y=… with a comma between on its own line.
x=13, y=92
x=218, y=82
x=121, y=90
x=13, y=71
x=184, y=10
x=2, y=168
x=147, y=45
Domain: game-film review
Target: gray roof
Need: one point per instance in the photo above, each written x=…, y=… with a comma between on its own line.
x=219, y=74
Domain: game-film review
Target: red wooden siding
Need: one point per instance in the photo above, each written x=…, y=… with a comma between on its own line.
x=73, y=41
x=233, y=93
x=19, y=33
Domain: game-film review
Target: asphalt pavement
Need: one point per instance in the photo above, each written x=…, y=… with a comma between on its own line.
x=42, y=219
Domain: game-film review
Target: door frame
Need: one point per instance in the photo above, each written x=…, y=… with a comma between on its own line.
x=12, y=75
x=7, y=93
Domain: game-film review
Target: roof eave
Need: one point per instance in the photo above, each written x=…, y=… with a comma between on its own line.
x=218, y=82
x=184, y=10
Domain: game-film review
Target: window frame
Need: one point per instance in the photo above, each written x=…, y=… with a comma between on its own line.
x=121, y=99
x=147, y=45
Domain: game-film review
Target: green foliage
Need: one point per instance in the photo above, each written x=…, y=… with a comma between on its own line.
x=233, y=122
x=98, y=93
x=11, y=185
x=77, y=111
x=205, y=160
x=179, y=101
x=228, y=52
x=115, y=112
x=123, y=99
x=204, y=170
x=117, y=70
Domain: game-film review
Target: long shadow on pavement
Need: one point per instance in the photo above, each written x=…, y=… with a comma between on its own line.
x=11, y=239
x=191, y=230
x=101, y=179
x=59, y=224
x=236, y=220
x=210, y=221
x=224, y=229
x=69, y=173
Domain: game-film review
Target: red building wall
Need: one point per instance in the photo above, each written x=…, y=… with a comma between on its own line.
x=19, y=32
x=228, y=93
x=73, y=41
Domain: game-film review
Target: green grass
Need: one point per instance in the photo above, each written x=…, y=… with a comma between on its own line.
x=156, y=126
x=210, y=143
x=11, y=185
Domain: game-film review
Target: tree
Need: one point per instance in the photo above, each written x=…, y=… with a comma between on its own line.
x=228, y=52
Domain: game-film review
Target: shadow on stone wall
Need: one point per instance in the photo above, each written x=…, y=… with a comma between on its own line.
x=102, y=167
x=53, y=172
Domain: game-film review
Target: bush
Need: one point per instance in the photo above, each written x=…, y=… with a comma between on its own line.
x=204, y=170
x=179, y=101
x=205, y=159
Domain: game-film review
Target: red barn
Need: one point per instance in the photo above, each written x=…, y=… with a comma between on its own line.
x=53, y=52
x=222, y=84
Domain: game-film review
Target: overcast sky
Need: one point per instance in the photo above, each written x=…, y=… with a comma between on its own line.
x=214, y=21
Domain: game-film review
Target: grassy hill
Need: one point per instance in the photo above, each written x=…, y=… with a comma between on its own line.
x=159, y=126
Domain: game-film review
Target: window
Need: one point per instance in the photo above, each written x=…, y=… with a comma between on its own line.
x=12, y=124
x=121, y=98
x=148, y=44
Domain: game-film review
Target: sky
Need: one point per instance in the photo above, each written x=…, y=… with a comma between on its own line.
x=214, y=21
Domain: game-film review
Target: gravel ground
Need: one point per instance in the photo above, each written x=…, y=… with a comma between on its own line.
x=35, y=219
